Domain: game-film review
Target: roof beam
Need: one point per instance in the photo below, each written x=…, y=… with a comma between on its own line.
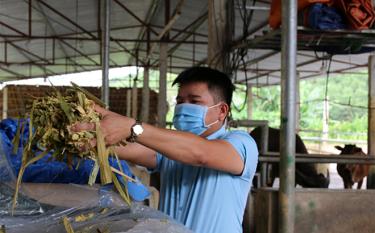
x=194, y=25
x=166, y=29
x=66, y=18
x=12, y=72
x=150, y=14
x=97, y=39
x=134, y=16
x=270, y=72
x=49, y=25
x=13, y=29
x=80, y=53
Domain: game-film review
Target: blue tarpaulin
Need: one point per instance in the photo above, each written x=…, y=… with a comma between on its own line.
x=323, y=17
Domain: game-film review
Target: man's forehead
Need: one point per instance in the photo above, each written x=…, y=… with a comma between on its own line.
x=194, y=90
x=197, y=89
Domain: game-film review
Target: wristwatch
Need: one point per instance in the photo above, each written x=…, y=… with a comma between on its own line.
x=135, y=131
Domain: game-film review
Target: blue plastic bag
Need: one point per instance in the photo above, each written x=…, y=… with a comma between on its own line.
x=47, y=171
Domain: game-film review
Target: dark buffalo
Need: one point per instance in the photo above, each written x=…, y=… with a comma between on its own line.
x=306, y=173
x=352, y=173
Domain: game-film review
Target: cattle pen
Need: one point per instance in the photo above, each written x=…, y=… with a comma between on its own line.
x=243, y=38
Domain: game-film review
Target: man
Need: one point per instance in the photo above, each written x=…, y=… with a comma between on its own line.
x=205, y=171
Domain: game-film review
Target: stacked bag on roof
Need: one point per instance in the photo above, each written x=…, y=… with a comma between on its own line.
x=329, y=14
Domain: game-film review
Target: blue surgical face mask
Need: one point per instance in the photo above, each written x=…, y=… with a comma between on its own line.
x=191, y=118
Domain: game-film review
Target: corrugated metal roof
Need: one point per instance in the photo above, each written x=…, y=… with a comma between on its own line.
x=61, y=37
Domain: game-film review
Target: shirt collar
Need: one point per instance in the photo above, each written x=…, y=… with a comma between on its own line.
x=217, y=134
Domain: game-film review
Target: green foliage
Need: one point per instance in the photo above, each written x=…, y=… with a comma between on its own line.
x=347, y=96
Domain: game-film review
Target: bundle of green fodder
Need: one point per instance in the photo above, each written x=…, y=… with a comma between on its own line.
x=49, y=128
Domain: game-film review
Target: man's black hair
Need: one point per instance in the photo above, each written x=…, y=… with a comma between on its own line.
x=219, y=84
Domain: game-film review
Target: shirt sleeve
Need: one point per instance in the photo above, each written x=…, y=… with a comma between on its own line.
x=246, y=147
x=159, y=159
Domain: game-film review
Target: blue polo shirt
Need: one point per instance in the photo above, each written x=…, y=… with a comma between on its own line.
x=207, y=200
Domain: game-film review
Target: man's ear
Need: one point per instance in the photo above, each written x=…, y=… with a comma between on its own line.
x=224, y=111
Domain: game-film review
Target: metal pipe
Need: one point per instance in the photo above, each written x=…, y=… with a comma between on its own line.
x=371, y=118
x=263, y=150
x=287, y=126
x=247, y=123
x=274, y=157
x=105, y=49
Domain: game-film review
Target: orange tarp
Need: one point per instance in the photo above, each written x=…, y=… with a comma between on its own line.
x=359, y=13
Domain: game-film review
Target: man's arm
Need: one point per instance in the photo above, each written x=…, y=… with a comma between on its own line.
x=192, y=149
x=176, y=145
x=138, y=154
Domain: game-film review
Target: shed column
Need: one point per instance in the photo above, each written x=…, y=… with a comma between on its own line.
x=146, y=95
x=145, y=111
x=162, y=97
x=249, y=101
x=128, y=102
x=135, y=99
x=288, y=115
x=219, y=33
x=371, y=119
x=5, y=102
x=105, y=51
x=298, y=103
x=163, y=57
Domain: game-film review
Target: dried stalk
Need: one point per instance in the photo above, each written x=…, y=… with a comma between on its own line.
x=50, y=120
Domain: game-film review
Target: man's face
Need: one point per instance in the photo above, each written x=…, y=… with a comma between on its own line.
x=198, y=93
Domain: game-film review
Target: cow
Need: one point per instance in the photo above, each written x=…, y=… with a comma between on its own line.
x=352, y=173
x=306, y=173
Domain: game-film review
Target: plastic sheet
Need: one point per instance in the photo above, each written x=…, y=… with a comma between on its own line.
x=42, y=208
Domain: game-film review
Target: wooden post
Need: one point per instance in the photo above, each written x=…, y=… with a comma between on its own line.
x=145, y=111
x=135, y=99
x=162, y=97
x=128, y=102
x=249, y=102
x=163, y=59
x=5, y=102
x=325, y=123
x=371, y=119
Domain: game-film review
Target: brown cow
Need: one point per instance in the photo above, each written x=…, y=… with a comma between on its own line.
x=352, y=173
x=306, y=173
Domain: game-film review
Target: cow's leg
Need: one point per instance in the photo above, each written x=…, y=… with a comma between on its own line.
x=360, y=184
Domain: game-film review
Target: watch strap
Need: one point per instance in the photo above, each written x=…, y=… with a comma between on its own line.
x=133, y=136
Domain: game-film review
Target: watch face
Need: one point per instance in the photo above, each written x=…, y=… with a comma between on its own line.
x=138, y=129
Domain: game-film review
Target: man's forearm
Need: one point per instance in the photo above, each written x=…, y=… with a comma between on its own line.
x=138, y=154
x=176, y=145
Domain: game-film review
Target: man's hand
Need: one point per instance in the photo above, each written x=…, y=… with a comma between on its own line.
x=115, y=127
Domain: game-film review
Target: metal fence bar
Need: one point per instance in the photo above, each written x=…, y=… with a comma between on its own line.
x=318, y=158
